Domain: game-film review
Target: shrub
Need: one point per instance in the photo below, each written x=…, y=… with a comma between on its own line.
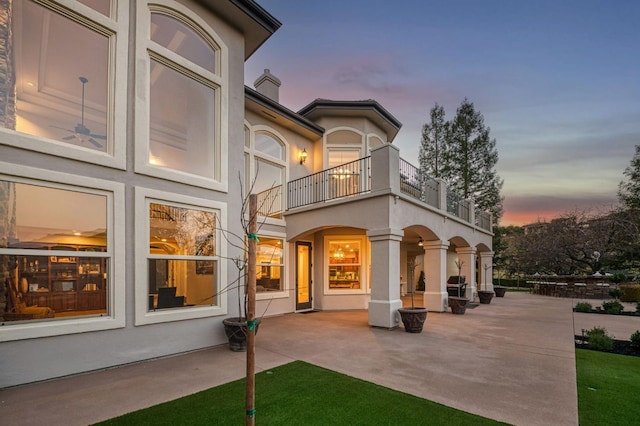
x=635, y=339
x=598, y=339
x=631, y=293
x=616, y=293
x=584, y=307
x=618, y=277
x=612, y=307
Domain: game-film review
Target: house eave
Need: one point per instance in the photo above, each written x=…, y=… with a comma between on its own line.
x=248, y=17
x=261, y=104
x=369, y=108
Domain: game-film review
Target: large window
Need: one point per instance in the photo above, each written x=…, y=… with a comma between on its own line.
x=345, y=257
x=182, y=257
x=179, y=271
x=57, y=261
x=181, y=119
x=266, y=172
x=58, y=78
x=269, y=264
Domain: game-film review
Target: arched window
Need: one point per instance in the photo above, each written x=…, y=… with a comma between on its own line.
x=184, y=110
x=266, y=168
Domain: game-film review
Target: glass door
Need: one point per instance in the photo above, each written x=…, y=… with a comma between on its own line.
x=303, y=276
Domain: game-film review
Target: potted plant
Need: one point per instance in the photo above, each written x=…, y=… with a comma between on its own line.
x=421, y=283
x=413, y=318
x=458, y=304
x=485, y=295
x=236, y=327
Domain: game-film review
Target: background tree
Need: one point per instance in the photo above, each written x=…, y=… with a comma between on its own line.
x=433, y=144
x=471, y=157
x=629, y=190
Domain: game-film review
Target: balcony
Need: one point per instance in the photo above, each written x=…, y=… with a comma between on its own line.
x=355, y=179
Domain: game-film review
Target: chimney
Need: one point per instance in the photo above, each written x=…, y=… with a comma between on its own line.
x=269, y=85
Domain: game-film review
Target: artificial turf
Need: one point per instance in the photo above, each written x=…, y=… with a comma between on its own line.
x=302, y=394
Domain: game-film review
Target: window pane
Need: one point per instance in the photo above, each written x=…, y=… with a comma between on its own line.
x=269, y=145
x=102, y=6
x=40, y=217
x=42, y=287
x=269, y=264
x=344, y=264
x=180, y=231
x=180, y=283
x=183, y=40
x=182, y=122
x=268, y=185
x=61, y=78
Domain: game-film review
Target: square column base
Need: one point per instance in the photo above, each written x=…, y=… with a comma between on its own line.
x=436, y=301
x=384, y=313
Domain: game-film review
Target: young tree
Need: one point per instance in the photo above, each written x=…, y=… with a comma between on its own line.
x=433, y=144
x=471, y=157
x=629, y=190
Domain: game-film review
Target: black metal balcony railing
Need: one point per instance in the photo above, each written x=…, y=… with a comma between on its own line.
x=342, y=181
x=483, y=219
x=458, y=206
x=270, y=202
x=417, y=184
x=354, y=178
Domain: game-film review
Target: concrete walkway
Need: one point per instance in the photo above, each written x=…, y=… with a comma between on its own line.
x=512, y=360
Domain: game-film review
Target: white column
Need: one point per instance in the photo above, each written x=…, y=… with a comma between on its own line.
x=468, y=257
x=385, y=277
x=435, y=296
x=486, y=258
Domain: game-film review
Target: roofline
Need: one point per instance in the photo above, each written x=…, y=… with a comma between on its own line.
x=318, y=106
x=258, y=14
x=274, y=106
x=351, y=105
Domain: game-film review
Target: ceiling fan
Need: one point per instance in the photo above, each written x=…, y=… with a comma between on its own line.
x=81, y=132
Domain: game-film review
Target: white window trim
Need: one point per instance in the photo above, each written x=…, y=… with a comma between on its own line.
x=142, y=314
x=284, y=293
x=254, y=154
x=117, y=106
x=144, y=44
x=115, y=317
x=364, y=266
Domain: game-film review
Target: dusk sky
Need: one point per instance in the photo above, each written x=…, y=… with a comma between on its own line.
x=558, y=82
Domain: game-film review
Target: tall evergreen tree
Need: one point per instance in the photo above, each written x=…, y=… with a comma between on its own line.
x=629, y=190
x=433, y=144
x=471, y=157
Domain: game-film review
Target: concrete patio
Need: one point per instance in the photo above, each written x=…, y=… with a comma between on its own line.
x=512, y=360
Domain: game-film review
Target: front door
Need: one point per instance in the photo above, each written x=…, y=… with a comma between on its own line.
x=303, y=276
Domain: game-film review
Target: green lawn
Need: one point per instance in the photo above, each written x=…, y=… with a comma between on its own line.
x=608, y=388
x=302, y=394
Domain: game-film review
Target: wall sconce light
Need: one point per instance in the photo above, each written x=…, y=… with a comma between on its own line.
x=420, y=242
x=303, y=156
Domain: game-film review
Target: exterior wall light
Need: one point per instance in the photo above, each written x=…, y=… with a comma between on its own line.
x=303, y=156
x=420, y=242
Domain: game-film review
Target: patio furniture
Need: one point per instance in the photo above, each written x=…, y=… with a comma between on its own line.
x=456, y=287
x=561, y=289
x=581, y=289
x=603, y=287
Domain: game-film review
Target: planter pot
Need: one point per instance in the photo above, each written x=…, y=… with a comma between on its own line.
x=485, y=297
x=458, y=305
x=236, y=331
x=499, y=290
x=413, y=319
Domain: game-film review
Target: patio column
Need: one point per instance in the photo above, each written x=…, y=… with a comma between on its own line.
x=385, y=277
x=435, y=295
x=468, y=256
x=486, y=258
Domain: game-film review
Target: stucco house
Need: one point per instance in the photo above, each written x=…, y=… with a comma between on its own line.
x=127, y=136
